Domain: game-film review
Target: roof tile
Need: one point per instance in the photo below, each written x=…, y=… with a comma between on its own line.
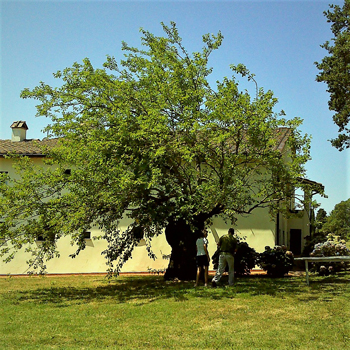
x=31, y=147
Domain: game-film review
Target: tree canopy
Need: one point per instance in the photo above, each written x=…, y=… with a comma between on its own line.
x=335, y=71
x=321, y=219
x=148, y=138
x=338, y=221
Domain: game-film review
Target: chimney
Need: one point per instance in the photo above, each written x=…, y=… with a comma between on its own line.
x=19, y=131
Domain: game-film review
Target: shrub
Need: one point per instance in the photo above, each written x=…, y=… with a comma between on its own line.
x=277, y=261
x=310, y=242
x=245, y=259
x=334, y=246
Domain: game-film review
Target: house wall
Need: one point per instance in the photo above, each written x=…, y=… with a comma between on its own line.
x=90, y=260
x=258, y=229
x=6, y=164
x=299, y=221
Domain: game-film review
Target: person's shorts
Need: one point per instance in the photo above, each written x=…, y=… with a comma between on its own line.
x=202, y=260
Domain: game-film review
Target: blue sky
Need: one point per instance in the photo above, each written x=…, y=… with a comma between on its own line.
x=278, y=41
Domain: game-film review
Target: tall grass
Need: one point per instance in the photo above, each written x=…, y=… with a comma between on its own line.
x=145, y=312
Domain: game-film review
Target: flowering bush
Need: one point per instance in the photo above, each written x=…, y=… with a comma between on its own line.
x=310, y=242
x=276, y=261
x=245, y=259
x=334, y=246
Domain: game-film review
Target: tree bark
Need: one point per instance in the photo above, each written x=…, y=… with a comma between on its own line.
x=182, y=239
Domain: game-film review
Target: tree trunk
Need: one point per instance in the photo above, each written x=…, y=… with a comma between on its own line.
x=182, y=239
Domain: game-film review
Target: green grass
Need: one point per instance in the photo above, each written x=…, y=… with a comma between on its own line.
x=144, y=312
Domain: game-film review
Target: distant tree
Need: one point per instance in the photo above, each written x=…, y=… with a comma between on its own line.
x=338, y=221
x=321, y=218
x=154, y=142
x=335, y=71
x=316, y=235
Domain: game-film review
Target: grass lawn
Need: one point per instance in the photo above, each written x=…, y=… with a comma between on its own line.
x=145, y=312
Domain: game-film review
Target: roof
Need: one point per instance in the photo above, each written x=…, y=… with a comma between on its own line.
x=316, y=185
x=33, y=147
x=26, y=147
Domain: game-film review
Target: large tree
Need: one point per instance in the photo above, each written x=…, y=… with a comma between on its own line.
x=335, y=71
x=338, y=221
x=151, y=140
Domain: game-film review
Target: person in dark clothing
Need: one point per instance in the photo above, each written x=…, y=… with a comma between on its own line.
x=228, y=247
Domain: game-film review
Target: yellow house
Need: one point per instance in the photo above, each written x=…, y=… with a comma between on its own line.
x=258, y=228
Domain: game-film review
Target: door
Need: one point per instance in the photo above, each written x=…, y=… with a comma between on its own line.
x=295, y=241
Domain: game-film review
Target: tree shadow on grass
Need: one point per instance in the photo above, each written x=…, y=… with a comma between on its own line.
x=146, y=289
x=121, y=290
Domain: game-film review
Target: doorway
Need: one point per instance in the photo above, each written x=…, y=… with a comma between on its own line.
x=295, y=241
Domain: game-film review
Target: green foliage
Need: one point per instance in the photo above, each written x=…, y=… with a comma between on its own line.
x=319, y=235
x=245, y=259
x=321, y=219
x=334, y=246
x=338, y=222
x=276, y=261
x=335, y=71
x=150, y=140
x=310, y=241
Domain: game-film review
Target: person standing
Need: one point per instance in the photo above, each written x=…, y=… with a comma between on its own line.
x=228, y=247
x=202, y=258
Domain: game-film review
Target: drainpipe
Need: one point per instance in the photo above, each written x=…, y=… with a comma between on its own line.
x=278, y=229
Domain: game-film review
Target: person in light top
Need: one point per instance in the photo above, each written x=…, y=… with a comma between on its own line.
x=202, y=258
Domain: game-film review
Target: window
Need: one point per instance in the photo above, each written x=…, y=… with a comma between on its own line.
x=87, y=235
x=4, y=173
